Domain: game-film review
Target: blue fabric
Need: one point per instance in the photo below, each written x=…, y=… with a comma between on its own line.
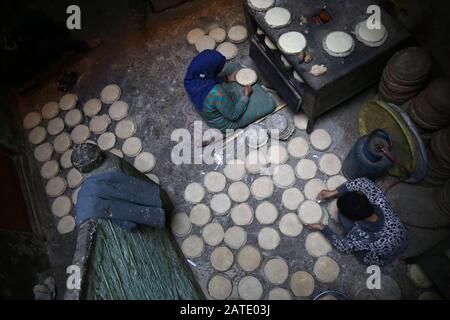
x=202, y=76
x=126, y=201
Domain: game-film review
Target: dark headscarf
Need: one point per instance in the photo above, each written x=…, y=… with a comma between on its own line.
x=202, y=74
x=355, y=206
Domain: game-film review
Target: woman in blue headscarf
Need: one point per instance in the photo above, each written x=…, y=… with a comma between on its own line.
x=220, y=100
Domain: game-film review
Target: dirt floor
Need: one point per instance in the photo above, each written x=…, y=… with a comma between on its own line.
x=147, y=56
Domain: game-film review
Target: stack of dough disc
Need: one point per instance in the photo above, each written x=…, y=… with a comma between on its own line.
x=118, y=110
x=298, y=147
x=194, y=35
x=92, y=107
x=215, y=182
x=181, y=225
x=277, y=17
x=277, y=154
x=125, y=128
x=50, y=110
x=330, y=164
x=132, y=146
x=256, y=161
x=49, y=169
x=145, y=162
x=261, y=5
x=250, y=288
x=320, y=139
x=237, y=34
x=316, y=245
x=266, y=213
x=279, y=294
x=55, y=126
x=110, y=94
x=221, y=259
x=284, y=176
x=338, y=44
x=326, y=269
x=200, y=215
x=37, y=135
x=32, y=120
x=313, y=188
x=256, y=136
x=268, y=238
x=80, y=133
x=246, y=77
x=66, y=225
x=228, y=50
x=220, y=287
x=280, y=127
x=62, y=142
x=242, y=214
x=193, y=246
x=66, y=159
x=305, y=169
x=302, y=284
x=249, y=258
x=194, y=193
x=218, y=34
x=56, y=186
x=290, y=225
x=106, y=141
x=239, y=192
x=276, y=270
x=262, y=188
x=213, y=234
x=205, y=43
x=234, y=170
x=301, y=121
x=371, y=37
x=220, y=204
x=43, y=152
x=292, y=198
x=310, y=212
x=73, y=118
x=235, y=237
x=74, y=178
x=292, y=42
x=270, y=44
x=99, y=124
x=335, y=182
x=61, y=206
x=68, y=101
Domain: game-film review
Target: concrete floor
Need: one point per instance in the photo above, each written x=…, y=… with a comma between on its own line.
x=147, y=55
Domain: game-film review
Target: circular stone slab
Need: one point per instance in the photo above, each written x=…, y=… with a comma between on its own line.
x=118, y=110
x=326, y=270
x=215, y=182
x=338, y=44
x=277, y=154
x=284, y=176
x=313, y=188
x=317, y=245
x=249, y=258
x=213, y=234
x=220, y=203
x=99, y=124
x=56, y=186
x=200, y=215
x=261, y=5
x=256, y=161
x=50, y=110
x=218, y=34
x=193, y=246
x=310, y=212
x=74, y=178
x=262, y=188
x=238, y=192
x=49, y=169
x=110, y=94
x=68, y=101
x=221, y=259
x=220, y=287
x=242, y=214
x=62, y=142
x=246, y=77
x=277, y=17
x=145, y=162
x=32, y=120
x=234, y=170
x=320, y=139
x=290, y=225
x=302, y=284
x=66, y=225
x=330, y=164
x=37, y=135
x=194, y=35
x=73, y=118
x=250, y=288
x=335, y=182
x=43, y=152
x=125, y=128
x=181, y=225
x=235, y=237
x=205, y=43
x=228, y=50
x=92, y=107
x=306, y=169
x=268, y=238
x=61, y=206
x=266, y=213
x=279, y=294
x=298, y=147
x=292, y=43
x=132, y=146
x=106, y=141
x=292, y=198
x=194, y=193
x=237, y=34
x=80, y=133
x=55, y=126
x=66, y=159
x=276, y=270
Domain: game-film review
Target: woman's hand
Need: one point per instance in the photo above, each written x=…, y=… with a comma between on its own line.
x=232, y=77
x=315, y=227
x=326, y=194
x=248, y=90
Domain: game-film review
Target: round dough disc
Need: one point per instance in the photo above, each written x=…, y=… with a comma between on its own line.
x=246, y=77
x=301, y=121
x=74, y=178
x=106, y=141
x=261, y=5
x=118, y=110
x=37, y=135
x=276, y=270
x=193, y=246
x=92, y=107
x=320, y=139
x=110, y=94
x=125, y=128
x=237, y=34
x=310, y=212
x=268, y=238
x=50, y=110
x=250, y=288
x=389, y=289
x=145, y=162
x=238, y=192
x=306, y=169
x=292, y=198
x=221, y=259
x=205, y=43
x=213, y=234
x=338, y=44
x=256, y=161
x=290, y=225
x=279, y=294
x=235, y=237
x=200, y=215
x=56, y=186
x=286, y=62
x=270, y=44
x=330, y=164
x=62, y=142
x=292, y=42
x=313, y=188
x=73, y=118
x=242, y=214
x=284, y=176
x=277, y=17
x=194, y=35
x=32, y=120
x=61, y=206
x=418, y=277
x=218, y=34
x=49, y=169
x=117, y=152
x=335, y=182
x=215, y=182
x=249, y=258
x=66, y=225
x=262, y=188
x=55, y=126
x=68, y=101
x=266, y=213
x=43, y=152
x=74, y=196
x=220, y=204
x=298, y=147
x=132, y=146
x=277, y=154
x=333, y=210
x=302, y=284
x=194, y=193
x=234, y=170
x=228, y=50
x=66, y=159
x=99, y=124
x=371, y=37
x=219, y=287
x=326, y=269
x=317, y=245
x=80, y=133
x=180, y=224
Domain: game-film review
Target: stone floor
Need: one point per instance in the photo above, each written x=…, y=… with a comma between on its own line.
x=147, y=55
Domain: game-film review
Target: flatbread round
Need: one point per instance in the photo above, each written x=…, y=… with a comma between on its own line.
x=235, y=237
x=74, y=195
x=193, y=246
x=285, y=62
x=237, y=34
x=125, y=128
x=234, y=170
x=66, y=225
x=68, y=101
x=335, y=182
x=49, y=169
x=292, y=198
x=92, y=107
x=330, y=164
x=302, y=284
x=256, y=161
x=74, y=178
x=220, y=204
x=116, y=152
x=213, y=234
x=180, y=224
x=326, y=269
x=277, y=17
x=290, y=225
x=194, y=193
x=266, y=213
x=276, y=270
x=118, y=110
x=306, y=169
x=333, y=210
x=292, y=43
x=43, y=152
x=262, y=188
x=317, y=245
x=99, y=124
x=320, y=139
x=66, y=159
x=62, y=142
x=228, y=50
x=106, y=141
x=284, y=176
x=56, y=186
x=80, y=133
x=313, y=188
x=218, y=34
x=153, y=177
x=338, y=44
x=194, y=35
x=298, y=147
x=301, y=121
x=37, y=135
x=73, y=118
x=205, y=43
x=55, y=126
x=246, y=77
x=418, y=277
x=220, y=287
x=310, y=212
x=279, y=294
x=242, y=214
x=269, y=43
x=268, y=238
x=145, y=162
x=215, y=182
x=200, y=215
x=277, y=154
x=110, y=94
x=132, y=146
x=371, y=37
x=261, y=5
x=61, y=206
x=238, y=192
x=249, y=258
x=32, y=120
x=250, y=288
x=50, y=110
x=221, y=259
